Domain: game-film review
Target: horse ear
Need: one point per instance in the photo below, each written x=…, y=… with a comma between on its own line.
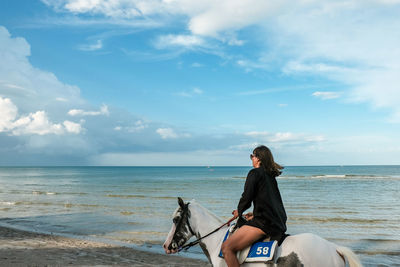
x=181, y=203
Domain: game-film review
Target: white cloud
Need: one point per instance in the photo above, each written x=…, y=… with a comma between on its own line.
x=61, y=99
x=353, y=43
x=249, y=65
x=167, y=133
x=186, y=41
x=208, y=18
x=124, y=9
x=34, y=123
x=73, y=127
x=284, y=138
x=138, y=126
x=326, y=95
x=197, y=65
x=320, y=68
x=92, y=47
x=8, y=114
x=192, y=93
x=197, y=91
x=228, y=15
x=80, y=112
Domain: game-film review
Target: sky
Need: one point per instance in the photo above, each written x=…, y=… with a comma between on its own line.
x=199, y=83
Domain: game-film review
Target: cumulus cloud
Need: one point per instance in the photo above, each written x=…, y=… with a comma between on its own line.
x=80, y=112
x=73, y=127
x=8, y=114
x=351, y=42
x=34, y=123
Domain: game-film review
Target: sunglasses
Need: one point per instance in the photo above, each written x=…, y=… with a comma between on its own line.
x=252, y=156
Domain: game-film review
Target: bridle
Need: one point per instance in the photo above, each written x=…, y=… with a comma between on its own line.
x=197, y=241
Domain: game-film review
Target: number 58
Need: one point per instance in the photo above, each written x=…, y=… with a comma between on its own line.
x=263, y=250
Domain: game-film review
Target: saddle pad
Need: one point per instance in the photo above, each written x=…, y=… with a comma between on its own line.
x=259, y=252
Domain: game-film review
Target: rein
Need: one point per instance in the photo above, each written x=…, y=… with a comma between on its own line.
x=191, y=244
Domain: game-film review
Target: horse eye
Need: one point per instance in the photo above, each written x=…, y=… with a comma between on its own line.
x=175, y=220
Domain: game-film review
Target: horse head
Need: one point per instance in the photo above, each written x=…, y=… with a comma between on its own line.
x=180, y=231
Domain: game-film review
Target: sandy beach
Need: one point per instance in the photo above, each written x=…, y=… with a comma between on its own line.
x=21, y=248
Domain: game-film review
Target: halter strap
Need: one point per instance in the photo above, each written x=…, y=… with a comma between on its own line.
x=191, y=244
x=187, y=219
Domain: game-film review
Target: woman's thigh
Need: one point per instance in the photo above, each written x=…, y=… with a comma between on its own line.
x=244, y=237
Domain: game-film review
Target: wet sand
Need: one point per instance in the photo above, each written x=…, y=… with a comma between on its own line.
x=21, y=248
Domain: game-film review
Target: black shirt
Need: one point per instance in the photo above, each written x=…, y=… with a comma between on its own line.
x=269, y=212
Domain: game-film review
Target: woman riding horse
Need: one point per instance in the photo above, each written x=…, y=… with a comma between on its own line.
x=269, y=217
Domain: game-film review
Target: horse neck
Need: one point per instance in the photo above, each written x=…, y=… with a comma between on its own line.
x=204, y=222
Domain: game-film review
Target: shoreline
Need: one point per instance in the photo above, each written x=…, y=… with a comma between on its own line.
x=24, y=248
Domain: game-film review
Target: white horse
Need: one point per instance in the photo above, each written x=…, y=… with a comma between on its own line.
x=307, y=250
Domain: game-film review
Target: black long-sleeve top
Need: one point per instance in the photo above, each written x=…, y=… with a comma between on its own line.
x=262, y=189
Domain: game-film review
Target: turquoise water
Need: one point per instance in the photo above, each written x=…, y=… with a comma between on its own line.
x=355, y=206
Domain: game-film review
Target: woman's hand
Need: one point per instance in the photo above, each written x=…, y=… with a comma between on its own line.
x=249, y=216
x=235, y=214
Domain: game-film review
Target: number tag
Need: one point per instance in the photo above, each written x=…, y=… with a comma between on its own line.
x=261, y=251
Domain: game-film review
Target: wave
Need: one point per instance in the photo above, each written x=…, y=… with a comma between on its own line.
x=49, y=193
x=336, y=219
x=139, y=196
x=7, y=203
x=127, y=213
x=329, y=176
x=70, y=205
x=239, y=177
x=32, y=203
x=126, y=196
x=340, y=176
x=378, y=252
x=43, y=193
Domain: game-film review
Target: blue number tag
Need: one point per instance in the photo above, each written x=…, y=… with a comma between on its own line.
x=261, y=251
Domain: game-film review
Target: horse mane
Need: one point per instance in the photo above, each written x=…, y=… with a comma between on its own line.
x=205, y=210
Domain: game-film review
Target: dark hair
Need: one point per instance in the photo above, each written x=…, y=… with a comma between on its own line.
x=267, y=161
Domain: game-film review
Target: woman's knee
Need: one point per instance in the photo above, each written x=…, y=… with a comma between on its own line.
x=227, y=247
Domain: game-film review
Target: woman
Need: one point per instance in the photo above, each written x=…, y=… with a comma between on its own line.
x=268, y=217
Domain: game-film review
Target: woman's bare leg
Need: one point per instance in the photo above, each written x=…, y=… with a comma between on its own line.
x=242, y=238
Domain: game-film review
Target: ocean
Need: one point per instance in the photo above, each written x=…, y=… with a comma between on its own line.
x=354, y=206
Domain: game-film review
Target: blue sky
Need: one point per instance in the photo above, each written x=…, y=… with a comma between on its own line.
x=96, y=82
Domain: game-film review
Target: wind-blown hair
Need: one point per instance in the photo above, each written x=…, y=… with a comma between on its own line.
x=267, y=161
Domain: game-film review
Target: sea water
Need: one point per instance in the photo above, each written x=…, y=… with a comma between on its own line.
x=354, y=206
